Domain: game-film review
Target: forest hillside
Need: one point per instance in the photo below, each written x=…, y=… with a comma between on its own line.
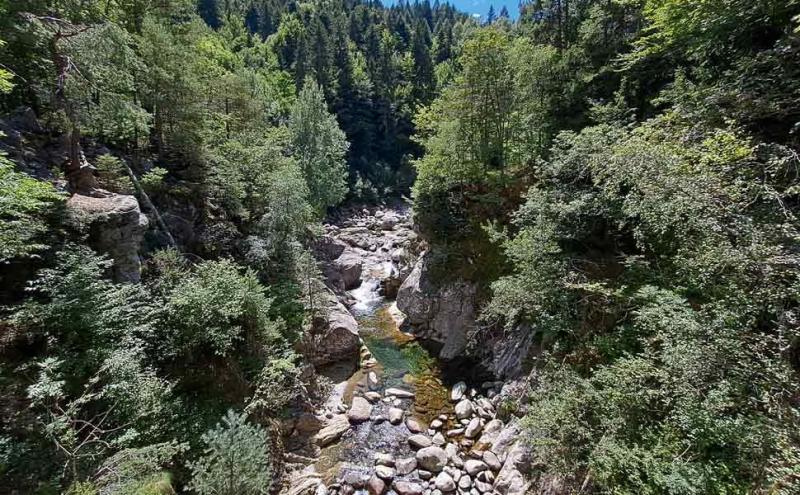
x=334, y=247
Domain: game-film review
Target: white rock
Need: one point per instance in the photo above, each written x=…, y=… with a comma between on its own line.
x=399, y=392
x=474, y=466
x=464, y=409
x=419, y=441
x=457, y=391
x=438, y=439
x=360, y=410
x=405, y=466
x=432, y=458
x=396, y=415
x=465, y=483
x=445, y=483
x=384, y=460
x=385, y=472
x=473, y=428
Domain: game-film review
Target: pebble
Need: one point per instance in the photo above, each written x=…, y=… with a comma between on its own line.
x=419, y=441
x=455, y=432
x=465, y=483
x=438, y=439
x=474, y=466
x=384, y=460
x=385, y=472
x=491, y=460
x=436, y=424
x=399, y=392
x=405, y=466
x=413, y=425
x=424, y=475
x=473, y=428
x=464, y=409
x=396, y=415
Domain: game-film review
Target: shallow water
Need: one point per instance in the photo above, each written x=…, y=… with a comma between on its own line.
x=401, y=363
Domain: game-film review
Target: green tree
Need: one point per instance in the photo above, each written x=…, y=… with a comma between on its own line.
x=319, y=147
x=235, y=461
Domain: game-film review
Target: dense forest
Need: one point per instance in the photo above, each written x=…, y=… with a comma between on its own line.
x=616, y=181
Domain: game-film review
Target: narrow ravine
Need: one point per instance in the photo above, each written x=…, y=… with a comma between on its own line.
x=394, y=423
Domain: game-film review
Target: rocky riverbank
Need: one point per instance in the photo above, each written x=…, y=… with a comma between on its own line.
x=392, y=424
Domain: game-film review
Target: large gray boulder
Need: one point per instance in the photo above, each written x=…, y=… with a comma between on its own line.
x=333, y=430
x=360, y=410
x=348, y=267
x=510, y=480
x=443, y=313
x=116, y=226
x=432, y=459
x=334, y=334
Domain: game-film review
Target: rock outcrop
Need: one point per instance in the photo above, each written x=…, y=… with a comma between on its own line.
x=334, y=334
x=444, y=314
x=115, y=226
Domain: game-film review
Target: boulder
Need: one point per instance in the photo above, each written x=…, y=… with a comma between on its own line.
x=332, y=430
x=360, y=410
x=396, y=415
x=334, y=335
x=408, y=487
x=406, y=465
x=349, y=266
x=457, y=392
x=464, y=409
x=432, y=458
x=116, y=227
x=328, y=248
x=376, y=486
x=444, y=482
x=510, y=480
x=445, y=314
x=419, y=441
x=473, y=428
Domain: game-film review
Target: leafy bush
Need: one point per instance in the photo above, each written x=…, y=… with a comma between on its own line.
x=26, y=208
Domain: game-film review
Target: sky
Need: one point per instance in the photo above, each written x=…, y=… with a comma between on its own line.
x=481, y=7
x=478, y=7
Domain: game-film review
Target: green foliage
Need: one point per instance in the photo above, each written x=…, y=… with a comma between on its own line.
x=113, y=175
x=26, y=206
x=319, y=146
x=216, y=307
x=235, y=460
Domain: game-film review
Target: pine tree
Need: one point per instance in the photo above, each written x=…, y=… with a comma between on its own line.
x=490, y=17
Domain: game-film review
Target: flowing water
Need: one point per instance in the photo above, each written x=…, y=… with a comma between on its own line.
x=399, y=361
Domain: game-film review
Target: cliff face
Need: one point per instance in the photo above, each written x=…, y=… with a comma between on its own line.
x=447, y=313
x=116, y=227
